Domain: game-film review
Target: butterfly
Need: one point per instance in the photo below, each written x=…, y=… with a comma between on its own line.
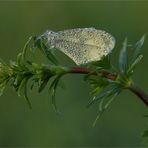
x=82, y=45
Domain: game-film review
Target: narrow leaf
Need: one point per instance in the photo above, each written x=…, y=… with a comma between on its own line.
x=104, y=63
x=25, y=94
x=43, y=84
x=49, y=54
x=105, y=93
x=38, y=42
x=52, y=89
x=138, y=46
x=20, y=87
x=103, y=108
x=97, y=118
x=25, y=48
x=23, y=87
x=2, y=87
x=132, y=66
x=123, y=58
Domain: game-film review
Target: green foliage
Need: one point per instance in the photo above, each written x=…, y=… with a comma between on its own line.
x=102, y=64
x=39, y=43
x=53, y=88
x=104, y=87
x=123, y=58
x=5, y=75
x=22, y=71
x=137, y=56
x=138, y=47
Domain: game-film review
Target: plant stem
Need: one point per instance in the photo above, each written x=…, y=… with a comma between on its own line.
x=103, y=73
x=143, y=96
x=139, y=92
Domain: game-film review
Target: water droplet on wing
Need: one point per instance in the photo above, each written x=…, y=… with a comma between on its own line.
x=82, y=45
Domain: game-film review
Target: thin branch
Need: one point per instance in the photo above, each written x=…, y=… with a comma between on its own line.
x=104, y=73
x=140, y=93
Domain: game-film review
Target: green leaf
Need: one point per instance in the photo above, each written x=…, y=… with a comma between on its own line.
x=32, y=84
x=104, y=63
x=96, y=90
x=138, y=46
x=23, y=88
x=43, y=84
x=2, y=87
x=37, y=42
x=19, y=59
x=48, y=52
x=132, y=66
x=25, y=94
x=52, y=89
x=108, y=91
x=136, y=55
x=98, y=85
x=123, y=58
x=17, y=81
x=25, y=48
x=103, y=108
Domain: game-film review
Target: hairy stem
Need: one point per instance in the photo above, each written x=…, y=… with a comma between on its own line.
x=133, y=88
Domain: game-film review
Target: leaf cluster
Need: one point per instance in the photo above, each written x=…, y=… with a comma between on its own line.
x=23, y=71
x=104, y=90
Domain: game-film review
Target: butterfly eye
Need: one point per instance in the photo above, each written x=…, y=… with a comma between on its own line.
x=50, y=32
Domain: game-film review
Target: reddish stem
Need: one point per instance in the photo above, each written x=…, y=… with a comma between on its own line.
x=140, y=93
x=104, y=73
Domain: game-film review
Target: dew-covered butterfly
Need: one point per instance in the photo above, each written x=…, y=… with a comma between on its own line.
x=82, y=45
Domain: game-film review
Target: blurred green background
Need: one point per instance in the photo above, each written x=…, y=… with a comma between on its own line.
x=121, y=125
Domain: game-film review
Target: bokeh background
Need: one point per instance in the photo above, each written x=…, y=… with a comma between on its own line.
x=121, y=125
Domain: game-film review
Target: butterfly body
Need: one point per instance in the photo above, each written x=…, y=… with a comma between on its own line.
x=82, y=45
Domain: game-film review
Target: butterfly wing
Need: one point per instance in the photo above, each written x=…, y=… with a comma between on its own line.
x=84, y=45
